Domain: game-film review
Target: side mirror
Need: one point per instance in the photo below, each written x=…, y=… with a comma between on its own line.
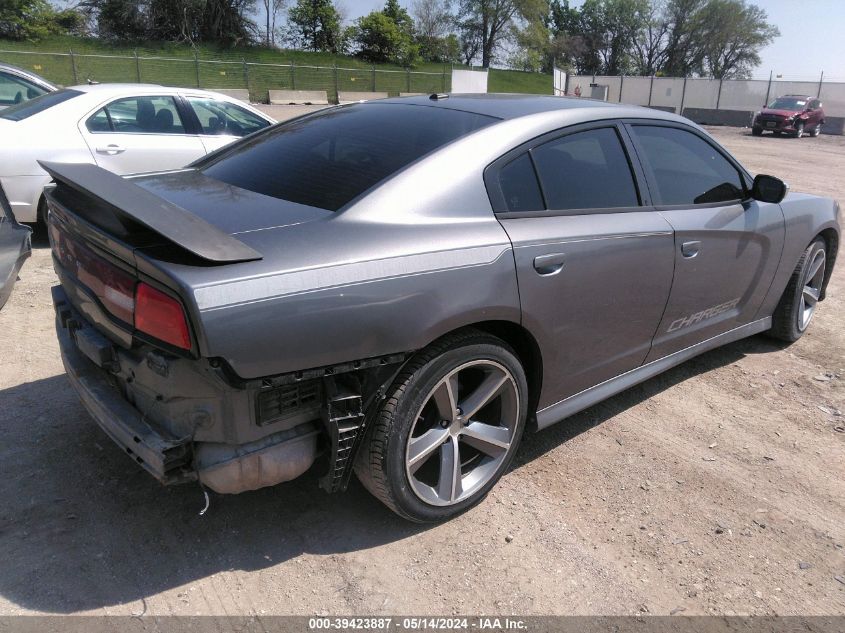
x=769, y=189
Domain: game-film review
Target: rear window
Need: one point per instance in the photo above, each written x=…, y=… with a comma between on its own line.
x=328, y=160
x=39, y=104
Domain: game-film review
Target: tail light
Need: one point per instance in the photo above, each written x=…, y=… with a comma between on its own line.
x=114, y=287
x=161, y=316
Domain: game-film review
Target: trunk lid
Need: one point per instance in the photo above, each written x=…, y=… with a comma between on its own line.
x=110, y=233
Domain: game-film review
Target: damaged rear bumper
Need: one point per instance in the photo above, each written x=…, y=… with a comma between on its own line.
x=94, y=368
x=165, y=457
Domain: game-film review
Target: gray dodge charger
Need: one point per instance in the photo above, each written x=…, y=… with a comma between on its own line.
x=399, y=288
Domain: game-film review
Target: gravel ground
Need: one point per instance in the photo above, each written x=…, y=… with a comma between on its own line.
x=715, y=488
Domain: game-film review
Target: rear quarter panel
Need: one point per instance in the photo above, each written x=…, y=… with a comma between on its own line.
x=339, y=291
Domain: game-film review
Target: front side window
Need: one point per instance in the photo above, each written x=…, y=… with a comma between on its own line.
x=687, y=169
x=46, y=101
x=138, y=115
x=221, y=118
x=14, y=89
x=328, y=159
x=586, y=170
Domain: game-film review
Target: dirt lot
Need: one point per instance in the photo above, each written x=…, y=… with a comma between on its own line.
x=718, y=487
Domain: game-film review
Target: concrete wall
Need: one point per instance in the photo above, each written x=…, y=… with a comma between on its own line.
x=714, y=102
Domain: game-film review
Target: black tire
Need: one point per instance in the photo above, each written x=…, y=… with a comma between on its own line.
x=777, y=132
x=40, y=228
x=381, y=462
x=786, y=323
x=799, y=130
x=757, y=131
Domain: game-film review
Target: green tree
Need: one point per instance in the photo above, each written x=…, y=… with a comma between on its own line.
x=684, y=54
x=386, y=36
x=610, y=29
x=566, y=45
x=315, y=25
x=433, y=26
x=33, y=19
x=649, y=49
x=486, y=24
x=119, y=19
x=732, y=33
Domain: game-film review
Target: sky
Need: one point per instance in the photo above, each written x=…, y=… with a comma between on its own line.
x=807, y=46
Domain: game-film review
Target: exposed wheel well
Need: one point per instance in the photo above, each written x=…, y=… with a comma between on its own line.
x=528, y=352
x=831, y=239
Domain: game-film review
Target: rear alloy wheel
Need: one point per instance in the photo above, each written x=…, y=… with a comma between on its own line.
x=799, y=130
x=449, y=430
x=798, y=304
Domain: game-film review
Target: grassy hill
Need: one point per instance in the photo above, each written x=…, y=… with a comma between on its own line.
x=258, y=68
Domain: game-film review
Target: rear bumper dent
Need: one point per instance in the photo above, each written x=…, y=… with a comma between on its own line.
x=165, y=457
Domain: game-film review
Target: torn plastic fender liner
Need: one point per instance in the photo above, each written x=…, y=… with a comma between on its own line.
x=172, y=222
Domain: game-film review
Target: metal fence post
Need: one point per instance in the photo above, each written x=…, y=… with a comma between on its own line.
x=197, y=64
x=336, y=89
x=408, y=70
x=292, y=75
x=650, y=89
x=246, y=73
x=137, y=66
x=683, y=95
x=444, y=77
x=819, y=93
x=719, y=94
x=621, y=83
x=769, y=89
x=73, y=67
x=374, y=77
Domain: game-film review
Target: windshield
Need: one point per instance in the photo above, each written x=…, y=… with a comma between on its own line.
x=39, y=104
x=329, y=159
x=789, y=103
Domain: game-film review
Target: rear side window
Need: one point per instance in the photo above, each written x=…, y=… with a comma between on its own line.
x=39, y=104
x=15, y=90
x=138, y=115
x=519, y=185
x=586, y=170
x=329, y=159
x=220, y=118
x=686, y=168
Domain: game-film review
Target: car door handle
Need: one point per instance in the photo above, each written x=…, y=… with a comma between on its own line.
x=111, y=150
x=690, y=249
x=551, y=264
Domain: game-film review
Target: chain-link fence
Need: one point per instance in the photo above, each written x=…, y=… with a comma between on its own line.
x=72, y=68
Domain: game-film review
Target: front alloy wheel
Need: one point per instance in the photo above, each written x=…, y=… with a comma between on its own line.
x=448, y=429
x=798, y=303
x=799, y=130
x=813, y=280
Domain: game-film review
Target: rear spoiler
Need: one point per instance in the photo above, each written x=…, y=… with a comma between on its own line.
x=165, y=218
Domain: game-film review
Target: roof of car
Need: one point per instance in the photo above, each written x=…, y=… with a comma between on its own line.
x=503, y=106
x=116, y=87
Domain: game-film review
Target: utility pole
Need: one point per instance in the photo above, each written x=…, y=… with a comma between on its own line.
x=769, y=89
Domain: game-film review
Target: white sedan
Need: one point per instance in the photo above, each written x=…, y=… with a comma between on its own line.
x=124, y=128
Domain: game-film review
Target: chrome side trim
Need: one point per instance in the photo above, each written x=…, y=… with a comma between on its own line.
x=587, y=398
